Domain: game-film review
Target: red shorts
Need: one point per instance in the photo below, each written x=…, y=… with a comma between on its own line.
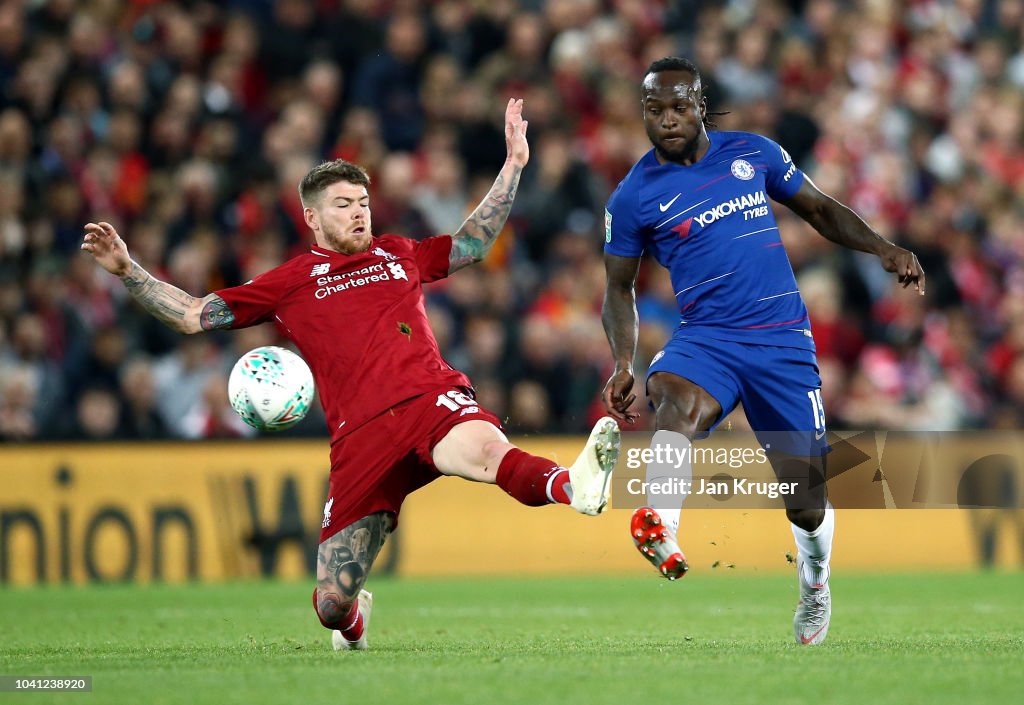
x=374, y=467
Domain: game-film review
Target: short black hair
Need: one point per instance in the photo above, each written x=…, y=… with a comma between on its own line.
x=673, y=63
x=327, y=173
x=678, y=63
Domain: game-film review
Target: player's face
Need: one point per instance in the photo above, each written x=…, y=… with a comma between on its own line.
x=674, y=114
x=341, y=220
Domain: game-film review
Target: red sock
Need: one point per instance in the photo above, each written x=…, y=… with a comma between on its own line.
x=533, y=480
x=354, y=630
x=351, y=626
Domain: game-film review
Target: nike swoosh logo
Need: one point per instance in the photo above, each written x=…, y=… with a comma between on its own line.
x=342, y=423
x=665, y=206
x=819, y=436
x=812, y=637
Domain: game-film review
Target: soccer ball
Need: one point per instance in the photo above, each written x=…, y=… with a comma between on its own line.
x=271, y=388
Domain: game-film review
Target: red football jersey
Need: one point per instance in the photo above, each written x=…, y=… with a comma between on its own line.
x=359, y=322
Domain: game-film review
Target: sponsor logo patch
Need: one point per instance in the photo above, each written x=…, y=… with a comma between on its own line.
x=733, y=205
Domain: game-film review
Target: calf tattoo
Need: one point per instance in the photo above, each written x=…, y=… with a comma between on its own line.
x=343, y=562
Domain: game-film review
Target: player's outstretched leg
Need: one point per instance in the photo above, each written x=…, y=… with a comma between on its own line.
x=683, y=410
x=479, y=451
x=590, y=476
x=343, y=564
x=656, y=543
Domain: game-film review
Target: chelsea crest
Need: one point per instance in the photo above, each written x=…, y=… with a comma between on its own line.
x=742, y=169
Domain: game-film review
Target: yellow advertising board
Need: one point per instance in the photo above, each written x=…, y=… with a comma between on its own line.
x=214, y=511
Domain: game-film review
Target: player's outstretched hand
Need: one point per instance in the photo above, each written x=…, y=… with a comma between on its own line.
x=517, y=147
x=618, y=397
x=906, y=267
x=102, y=242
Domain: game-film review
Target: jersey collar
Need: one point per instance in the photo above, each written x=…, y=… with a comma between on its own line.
x=320, y=251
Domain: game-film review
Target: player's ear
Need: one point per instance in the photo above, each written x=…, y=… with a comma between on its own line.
x=703, y=107
x=312, y=217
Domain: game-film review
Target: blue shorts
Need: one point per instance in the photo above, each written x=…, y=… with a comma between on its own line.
x=780, y=388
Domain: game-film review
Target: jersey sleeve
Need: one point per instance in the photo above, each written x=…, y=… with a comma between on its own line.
x=255, y=301
x=783, y=179
x=432, y=257
x=623, y=233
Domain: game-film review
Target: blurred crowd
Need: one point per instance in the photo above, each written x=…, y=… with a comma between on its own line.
x=188, y=125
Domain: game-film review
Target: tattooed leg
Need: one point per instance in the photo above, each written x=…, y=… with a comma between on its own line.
x=343, y=563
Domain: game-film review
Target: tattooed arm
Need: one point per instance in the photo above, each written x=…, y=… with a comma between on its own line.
x=179, y=310
x=474, y=239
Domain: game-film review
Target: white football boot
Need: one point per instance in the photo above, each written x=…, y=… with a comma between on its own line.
x=590, y=476
x=813, y=611
x=340, y=643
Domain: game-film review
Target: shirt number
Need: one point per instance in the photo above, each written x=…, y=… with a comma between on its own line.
x=454, y=400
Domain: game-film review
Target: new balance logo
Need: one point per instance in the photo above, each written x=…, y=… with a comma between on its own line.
x=320, y=269
x=665, y=206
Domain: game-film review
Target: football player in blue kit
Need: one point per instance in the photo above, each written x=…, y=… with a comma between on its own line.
x=698, y=201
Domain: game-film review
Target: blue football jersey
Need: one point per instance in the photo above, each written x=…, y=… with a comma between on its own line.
x=711, y=225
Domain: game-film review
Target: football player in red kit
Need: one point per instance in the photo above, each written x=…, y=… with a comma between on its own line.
x=398, y=414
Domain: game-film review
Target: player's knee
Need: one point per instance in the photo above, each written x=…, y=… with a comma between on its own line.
x=331, y=609
x=681, y=405
x=494, y=451
x=806, y=519
x=673, y=416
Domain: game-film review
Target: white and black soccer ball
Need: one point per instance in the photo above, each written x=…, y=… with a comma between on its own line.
x=271, y=388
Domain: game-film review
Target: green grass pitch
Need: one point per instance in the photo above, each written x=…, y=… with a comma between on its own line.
x=720, y=638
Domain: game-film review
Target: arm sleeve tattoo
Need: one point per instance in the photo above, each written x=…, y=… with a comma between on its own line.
x=171, y=305
x=474, y=239
x=216, y=315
